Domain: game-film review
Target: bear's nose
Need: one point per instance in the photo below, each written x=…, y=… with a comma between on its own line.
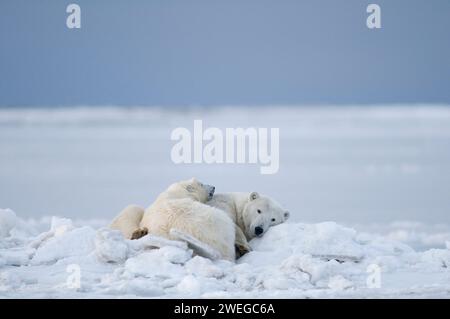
x=258, y=231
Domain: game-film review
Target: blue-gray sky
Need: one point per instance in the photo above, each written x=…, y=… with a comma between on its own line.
x=209, y=52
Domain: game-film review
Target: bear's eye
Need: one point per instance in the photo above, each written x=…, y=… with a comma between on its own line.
x=259, y=211
x=273, y=219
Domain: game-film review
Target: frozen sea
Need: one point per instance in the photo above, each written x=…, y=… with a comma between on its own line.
x=362, y=165
x=368, y=184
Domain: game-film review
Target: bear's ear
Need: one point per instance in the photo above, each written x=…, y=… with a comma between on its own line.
x=253, y=195
x=193, y=180
x=286, y=215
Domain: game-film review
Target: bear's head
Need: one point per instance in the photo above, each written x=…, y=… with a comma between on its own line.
x=260, y=213
x=192, y=189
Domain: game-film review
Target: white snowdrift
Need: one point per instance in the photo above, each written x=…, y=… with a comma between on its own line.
x=292, y=260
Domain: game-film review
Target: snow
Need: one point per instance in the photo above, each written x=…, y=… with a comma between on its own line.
x=382, y=173
x=292, y=260
x=8, y=220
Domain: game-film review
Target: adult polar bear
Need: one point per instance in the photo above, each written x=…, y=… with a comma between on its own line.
x=180, y=213
x=251, y=215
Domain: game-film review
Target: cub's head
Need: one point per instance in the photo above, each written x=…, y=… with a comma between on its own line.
x=192, y=189
x=260, y=213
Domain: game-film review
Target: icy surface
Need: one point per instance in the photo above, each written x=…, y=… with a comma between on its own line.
x=383, y=171
x=348, y=164
x=292, y=260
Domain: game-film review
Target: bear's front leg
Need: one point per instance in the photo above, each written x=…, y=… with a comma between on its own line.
x=141, y=232
x=241, y=244
x=241, y=250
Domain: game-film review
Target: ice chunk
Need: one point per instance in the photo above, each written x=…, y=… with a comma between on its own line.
x=77, y=242
x=204, y=267
x=339, y=283
x=110, y=245
x=8, y=220
x=189, y=285
x=15, y=256
x=164, y=262
x=437, y=257
x=326, y=238
x=60, y=226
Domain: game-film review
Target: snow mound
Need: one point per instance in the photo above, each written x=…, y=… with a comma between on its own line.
x=110, y=246
x=291, y=260
x=324, y=239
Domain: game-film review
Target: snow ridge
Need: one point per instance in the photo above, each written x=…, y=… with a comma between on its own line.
x=292, y=260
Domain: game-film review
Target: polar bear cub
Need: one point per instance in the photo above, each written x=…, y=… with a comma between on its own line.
x=181, y=209
x=251, y=213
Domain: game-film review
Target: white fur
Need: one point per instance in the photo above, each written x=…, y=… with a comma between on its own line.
x=182, y=207
x=243, y=208
x=227, y=220
x=128, y=220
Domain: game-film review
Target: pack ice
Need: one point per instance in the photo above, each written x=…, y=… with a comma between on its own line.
x=59, y=258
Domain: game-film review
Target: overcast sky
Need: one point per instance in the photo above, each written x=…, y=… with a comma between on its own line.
x=209, y=52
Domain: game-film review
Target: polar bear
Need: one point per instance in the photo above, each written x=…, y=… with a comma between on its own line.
x=251, y=213
x=180, y=212
x=128, y=222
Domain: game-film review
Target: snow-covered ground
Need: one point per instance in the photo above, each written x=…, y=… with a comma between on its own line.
x=366, y=185
x=56, y=258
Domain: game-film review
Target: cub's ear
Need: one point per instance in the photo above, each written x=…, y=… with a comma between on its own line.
x=286, y=215
x=190, y=188
x=253, y=195
x=193, y=180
